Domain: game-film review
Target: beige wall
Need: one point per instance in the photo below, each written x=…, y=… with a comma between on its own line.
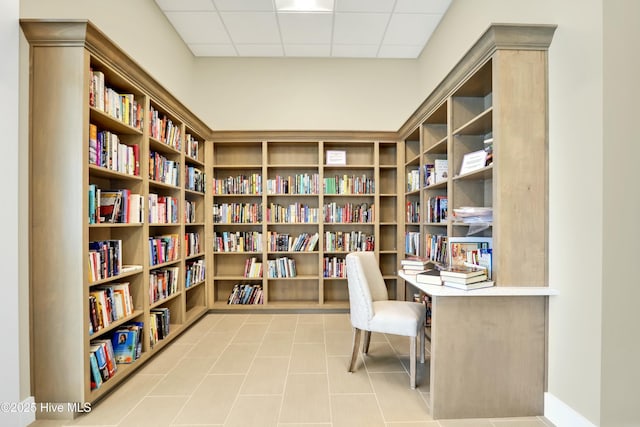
x=587, y=356
x=621, y=204
x=11, y=386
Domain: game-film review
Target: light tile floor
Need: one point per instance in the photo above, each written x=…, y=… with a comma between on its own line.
x=282, y=370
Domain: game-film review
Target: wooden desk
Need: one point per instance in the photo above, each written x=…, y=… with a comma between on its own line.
x=488, y=350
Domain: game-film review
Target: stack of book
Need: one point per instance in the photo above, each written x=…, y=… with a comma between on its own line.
x=465, y=277
x=413, y=265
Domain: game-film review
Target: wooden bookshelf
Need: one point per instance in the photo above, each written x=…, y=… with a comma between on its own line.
x=498, y=93
x=368, y=178
x=63, y=57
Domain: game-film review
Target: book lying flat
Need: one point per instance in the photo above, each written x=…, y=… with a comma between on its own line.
x=466, y=280
x=462, y=271
x=469, y=286
x=429, y=277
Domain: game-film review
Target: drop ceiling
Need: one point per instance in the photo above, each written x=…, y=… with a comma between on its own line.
x=353, y=29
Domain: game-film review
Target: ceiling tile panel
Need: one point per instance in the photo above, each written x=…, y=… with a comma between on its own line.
x=198, y=27
x=364, y=5
x=252, y=27
x=406, y=29
x=422, y=6
x=314, y=28
x=359, y=28
x=185, y=5
x=244, y=5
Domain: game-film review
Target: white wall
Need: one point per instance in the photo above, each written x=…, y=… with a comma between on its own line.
x=621, y=205
x=14, y=325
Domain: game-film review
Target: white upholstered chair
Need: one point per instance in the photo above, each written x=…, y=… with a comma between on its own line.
x=372, y=311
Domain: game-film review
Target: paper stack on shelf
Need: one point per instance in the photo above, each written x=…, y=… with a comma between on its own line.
x=479, y=217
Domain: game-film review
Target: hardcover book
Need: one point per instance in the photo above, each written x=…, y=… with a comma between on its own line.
x=429, y=277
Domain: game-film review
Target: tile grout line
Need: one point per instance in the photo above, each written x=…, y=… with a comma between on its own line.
x=286, y=375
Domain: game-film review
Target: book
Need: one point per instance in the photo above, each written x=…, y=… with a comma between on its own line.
x=462, y=271
x=469, y=286
x=466, y=250
x=415, y=261
x=124, y=345
x=441, y=170
x=465, y=280
x=96, y=377
x=429, y=277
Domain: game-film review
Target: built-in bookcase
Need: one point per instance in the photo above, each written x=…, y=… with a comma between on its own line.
x=498, y=101
x=293, y=192
x=103, y=130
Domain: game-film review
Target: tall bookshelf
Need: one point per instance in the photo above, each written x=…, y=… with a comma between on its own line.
x=497, y=95
x=319, y=198
x=157, y=160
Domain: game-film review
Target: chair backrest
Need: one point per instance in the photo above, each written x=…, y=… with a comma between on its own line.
x=366, y=285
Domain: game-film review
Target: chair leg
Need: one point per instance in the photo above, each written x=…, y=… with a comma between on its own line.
x=367, y=340
x=412, y=362
x=422, y=340
x=354, y=351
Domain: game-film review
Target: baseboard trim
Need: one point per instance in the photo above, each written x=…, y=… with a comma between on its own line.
x=561, y=414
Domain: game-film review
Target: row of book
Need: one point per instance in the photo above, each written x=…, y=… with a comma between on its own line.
x=163, y=283
x=163, y=129
x=413, y=180
x=252, y=268
x=163, y=170
x=348, y=241
x=436, y=248
x=334, y=267
x=436, y=172
x=195, y=273
x=191, y=146
x=106, y=150
x=163, y=248
x=362, y=213
x=412, y=211
x=281, y=267
x=295, y=213
x=105, y=259
x=194, y=179
x=192, y=243
x=124, y=347
x=241, y=184
x=437, y=208
x=284, y=242
x=237, y=241
x=159, y=324
x=237, y=213
x=107, y=304
x=121, y=106
x=297, y=184
x=349, y=185
x=246, y=293
x=163, y=209
x=412, y=242
x=190, y=211
x=114, y=206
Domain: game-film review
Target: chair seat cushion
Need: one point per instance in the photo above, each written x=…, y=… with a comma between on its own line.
x=397, y=317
